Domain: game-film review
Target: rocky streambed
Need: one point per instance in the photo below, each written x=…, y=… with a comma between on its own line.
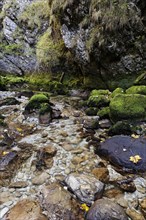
x=50, y=168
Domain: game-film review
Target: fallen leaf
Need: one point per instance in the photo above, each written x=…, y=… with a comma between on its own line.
x=135, y=159
x=135, y=136
x=84, y=207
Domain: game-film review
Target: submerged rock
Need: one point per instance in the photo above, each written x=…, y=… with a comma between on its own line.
x=122, y=150
x=104, y=209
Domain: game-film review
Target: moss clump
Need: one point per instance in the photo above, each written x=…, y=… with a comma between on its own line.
x=57, y=88
x=44, y=108
x=35, y=14
x=49, y=51
x=104, y=113
x=128, y=107
x=99, y=98
x=137, y=90
x=36, y=101
x=91, y=111
x=117, y=91
x=121, y=127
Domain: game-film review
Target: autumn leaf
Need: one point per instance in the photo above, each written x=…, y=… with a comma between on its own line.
x=135, y=159
x=135, y=136
x=84, y=207
x=5, y=153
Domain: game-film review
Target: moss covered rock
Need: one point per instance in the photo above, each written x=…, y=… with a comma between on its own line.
x=128, y=107
x=99, y=98
x=36, y=102
x=136, y=90
x=91, y=111
x=117, y=91
x=104, y=112
x=121, y=127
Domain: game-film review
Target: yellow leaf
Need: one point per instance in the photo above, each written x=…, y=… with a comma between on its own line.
x=135, y=159
x=19, y=129
x=135, y=136
x=5, y=153
x=85, y=207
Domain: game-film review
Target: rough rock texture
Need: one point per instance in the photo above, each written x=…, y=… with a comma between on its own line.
x=105, y=209
x=119, y=149
x=59, y=203
x=26, y=209
x=87, y=188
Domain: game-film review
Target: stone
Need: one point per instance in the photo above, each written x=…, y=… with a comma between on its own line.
x=59, y=203
x=92, y=123
x=86, y=187
x=40, y=179
x=26, y=209
x=105, y=123
x=101, y=173
x=143, y=206
x=134, y=214
x=119, y=149
x=128, y=107
x=18, y=184
x=3, y=212
x=105, y=209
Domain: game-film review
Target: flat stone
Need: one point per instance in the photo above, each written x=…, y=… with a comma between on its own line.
x=119, y=149
x=18, y=184
x=26, y=209
x=134, y=214
x=101, y=174
x=40, y=179
x=86, y=187
x=104, y=209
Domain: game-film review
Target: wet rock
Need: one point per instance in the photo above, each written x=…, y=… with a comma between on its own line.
x=119, y=149
x=140, y=184
x=127, y=185
x=26, y=209
x=143, y=206
x=59, y=203
x=18, y=184
x=86, y=187
x=40, y=179
x=105, y=123
x=9, y=101
x=112, y=193
x=92, y=123
x=120, y=127
x=101, y=173
x=134, y=214
x=7, y=159
x=105, y=209
x=45, y=118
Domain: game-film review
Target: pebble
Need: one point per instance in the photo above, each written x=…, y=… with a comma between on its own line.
x=3, y=212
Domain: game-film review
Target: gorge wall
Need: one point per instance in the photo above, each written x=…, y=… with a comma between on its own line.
x=101, y=43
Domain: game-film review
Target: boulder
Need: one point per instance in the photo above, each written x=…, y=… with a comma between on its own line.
x=128, y=107
x=86, y=187
x=104, y=209
x=126, y=152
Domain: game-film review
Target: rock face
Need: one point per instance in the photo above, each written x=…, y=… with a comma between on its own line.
x=122, y=151
x=87, y=188
x=105, y=209
x=19, y=31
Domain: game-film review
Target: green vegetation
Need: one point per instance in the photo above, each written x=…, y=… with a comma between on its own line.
x=137, y=90
x=104, y=112
x=91, y=111
x=35, y=14
x=120, y=127
x=45, y=108
x=117, y=91
x=48, y=51
x=36, y=102
x=128, y=107
x=11, y=48
x=99, y=98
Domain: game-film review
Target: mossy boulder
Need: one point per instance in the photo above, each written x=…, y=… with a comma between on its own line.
x=117, y=91
x=121, y=127
x=103, y=113
x=136, y=90
x=36, y=102
x=99, y=98
x=91, y=111
x=128, y=107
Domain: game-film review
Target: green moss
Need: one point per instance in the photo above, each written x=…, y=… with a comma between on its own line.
x=49, y=51
x=35, y=14
x=128, y=107
x=2, y=83
x=91, y=111
x=44, y=108
x=117, y=91
x=104, y=113
x=137, y=90
x=36, y=101
x=99, y=98
x=121, y=127
x=11, y=48
x=141, y=79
